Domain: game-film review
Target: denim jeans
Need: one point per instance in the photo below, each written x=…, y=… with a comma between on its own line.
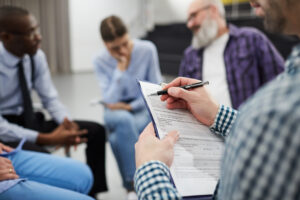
x=124, y=128
x=48, y=177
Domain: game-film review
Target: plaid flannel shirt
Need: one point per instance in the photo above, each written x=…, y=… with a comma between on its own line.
x=250, y=58
x=261, y=158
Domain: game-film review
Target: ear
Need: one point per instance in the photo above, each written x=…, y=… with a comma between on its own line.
x=4, y=36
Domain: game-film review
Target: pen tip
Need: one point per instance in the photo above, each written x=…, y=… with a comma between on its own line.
x=153, y=94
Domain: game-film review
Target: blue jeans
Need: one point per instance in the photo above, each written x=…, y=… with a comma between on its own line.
x=124, y=128
x=48, y=177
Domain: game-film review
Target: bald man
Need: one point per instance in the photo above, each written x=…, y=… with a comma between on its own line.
x=236, y=61
x=261, y=158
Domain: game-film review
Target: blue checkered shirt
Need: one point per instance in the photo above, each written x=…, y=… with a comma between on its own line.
x=262, y=153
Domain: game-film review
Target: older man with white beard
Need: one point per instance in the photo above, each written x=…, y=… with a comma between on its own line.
x=261, y=158
x=236, y=61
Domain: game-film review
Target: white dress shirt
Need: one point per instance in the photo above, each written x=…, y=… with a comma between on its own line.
x=11, y=101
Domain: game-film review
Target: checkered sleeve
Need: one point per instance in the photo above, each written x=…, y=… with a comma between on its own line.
x=224, y=120
x=152, y=181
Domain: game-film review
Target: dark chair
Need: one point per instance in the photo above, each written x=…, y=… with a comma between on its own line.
x=171, y=40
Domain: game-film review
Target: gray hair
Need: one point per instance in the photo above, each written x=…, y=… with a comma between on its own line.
x=218, y=4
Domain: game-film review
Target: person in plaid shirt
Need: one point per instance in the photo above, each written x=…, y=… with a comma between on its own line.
x=262, y=140
x=236, y=60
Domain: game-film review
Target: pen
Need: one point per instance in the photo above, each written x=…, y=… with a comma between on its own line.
x=186, y=87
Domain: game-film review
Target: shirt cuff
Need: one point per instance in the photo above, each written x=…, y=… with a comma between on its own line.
x=30, y=135
x=60, y=119
x=152, y=181
x=224, y=120
x=137, y=104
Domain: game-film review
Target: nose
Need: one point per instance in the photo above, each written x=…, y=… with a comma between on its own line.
x=190, y=23
x=38, y=36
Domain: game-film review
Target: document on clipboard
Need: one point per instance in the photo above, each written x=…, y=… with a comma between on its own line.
x=197, y=153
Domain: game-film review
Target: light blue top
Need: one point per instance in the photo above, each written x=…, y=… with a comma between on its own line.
x=117, y=86
x=11, y=102
x=261, y=158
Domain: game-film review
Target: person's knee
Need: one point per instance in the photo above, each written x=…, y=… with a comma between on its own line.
x=95, y=127
x=112, y=138
x=96, y=133
x=92, y=127
x=87, y=180
x=82, y=177
x=32, y=190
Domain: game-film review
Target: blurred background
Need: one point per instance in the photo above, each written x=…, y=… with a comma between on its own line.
x=70, y=30
x=71, y=36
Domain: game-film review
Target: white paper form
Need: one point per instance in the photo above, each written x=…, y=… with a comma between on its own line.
x=197, y=153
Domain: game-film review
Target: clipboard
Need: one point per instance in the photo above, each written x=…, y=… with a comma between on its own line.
x=189, y=197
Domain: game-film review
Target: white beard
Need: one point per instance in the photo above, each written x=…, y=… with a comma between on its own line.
x=206, y=34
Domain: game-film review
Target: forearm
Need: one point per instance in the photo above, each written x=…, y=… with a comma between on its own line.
x=224, y=121
x=45, y=139
x=57, y=111
x=112, y=89
x=46, y=90
x=11, y=132
x=137, y=104
x=158, y=173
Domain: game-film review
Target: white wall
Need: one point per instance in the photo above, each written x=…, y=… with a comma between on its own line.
x=139, y=15
x=85, y=17
x=170, y=11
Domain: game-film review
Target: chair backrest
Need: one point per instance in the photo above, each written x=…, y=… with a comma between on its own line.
x=171, y=40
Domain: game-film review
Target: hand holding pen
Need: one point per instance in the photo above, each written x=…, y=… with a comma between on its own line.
x=186, y=87
x=198, y=101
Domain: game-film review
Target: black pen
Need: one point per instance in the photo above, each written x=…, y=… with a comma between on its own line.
x=186, y=87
